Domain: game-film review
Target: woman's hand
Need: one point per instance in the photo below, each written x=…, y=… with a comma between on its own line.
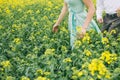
x=81, y=34
x=55, y=28
x=100, y=20
x=83, y=31
x=118, y=12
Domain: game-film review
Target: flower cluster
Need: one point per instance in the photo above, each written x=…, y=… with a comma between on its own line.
x=97, y=65
x=108, y=57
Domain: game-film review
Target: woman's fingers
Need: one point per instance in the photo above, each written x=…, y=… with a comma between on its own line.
x=55, y=28
x=100, y=20
x=80, y=35
x=118, y=12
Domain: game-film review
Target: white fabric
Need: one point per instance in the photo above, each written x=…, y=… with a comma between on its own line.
x=109, y=6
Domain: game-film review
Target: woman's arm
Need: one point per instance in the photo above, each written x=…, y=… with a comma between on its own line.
x=90, y=14
x=61, y=16
x=88, y=19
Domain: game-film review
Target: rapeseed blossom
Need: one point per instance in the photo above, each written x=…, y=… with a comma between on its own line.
x=49, y=52
x=97, y=65
x=5, y=64
x=17, y=40
x=25, y=78
x=86, y=38
x=41, y=78
x=105, y=40
x=67, y=60
x=108, y=57
x=87, y=52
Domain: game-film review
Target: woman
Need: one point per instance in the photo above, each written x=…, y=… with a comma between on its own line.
x=78, y=17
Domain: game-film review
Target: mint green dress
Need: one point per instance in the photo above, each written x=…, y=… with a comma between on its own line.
x=77, y=16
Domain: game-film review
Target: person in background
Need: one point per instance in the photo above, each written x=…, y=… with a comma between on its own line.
x=111, y=19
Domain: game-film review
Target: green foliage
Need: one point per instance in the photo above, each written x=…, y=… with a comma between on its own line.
x=29, y=50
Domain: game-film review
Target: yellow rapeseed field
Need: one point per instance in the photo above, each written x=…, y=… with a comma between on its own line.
x=29, y=50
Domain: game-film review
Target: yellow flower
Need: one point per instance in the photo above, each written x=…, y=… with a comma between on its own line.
x=5, y=64
x=17, y=40
x=13, y=6
x=86, y=38
x=56, y=7
x=32, y=37
x=67, y=60
x=1, y=69
x=64, y=49
x=74, y=77
x=24, y=78
x=104, y=54
x=84, y=65
x=92, y=31
x=87, y=52
x=91, y=79
x=38, y=33
x=8, y=11
x=73, y=68
x=101, y=69
x=10, y=78
x=30, y=11
x=54, y=21
x=39, y=71
x=105, y=32
x=48, y=62
x=20, y=10
x=35, y=48
x=118, y=39
x=38, y=11
x=48, y=9
x=108, y=75
x=108, y=57
x=46, y=73
x=77, y=43
x=107, y=46
x=45, y=37
x=49, y=51
x=13, y=48
x=45, y=18
x=1, y=27
x=32, y=18
x=35, y=23
x=99, y=76
x=113, y=32
x=0, y=10
x=41, y=78
x=50, y=4
x=64, y=29
x=80, y=73
x=105, y=40
x=52, y=15
x=76, y=73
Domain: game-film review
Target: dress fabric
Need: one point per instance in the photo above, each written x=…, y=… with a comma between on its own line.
x=77, y=16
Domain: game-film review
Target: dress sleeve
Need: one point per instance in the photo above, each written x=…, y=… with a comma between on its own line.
x=100, y=8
